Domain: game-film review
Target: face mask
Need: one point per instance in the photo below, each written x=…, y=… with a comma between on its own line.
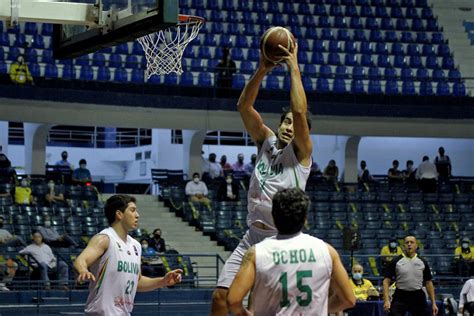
x=83, y=166
x=357, y=276
x=51, y=186
x=157, y=236
x=465, y=245
x=393, y=245
x=196, y=180
x=229, y=181
x=47, y=223
x=241, y=159
x=145, y=247
x=64, y=157
x=24, y=183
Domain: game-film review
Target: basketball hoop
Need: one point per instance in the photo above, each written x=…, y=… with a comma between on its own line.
x=164, y=49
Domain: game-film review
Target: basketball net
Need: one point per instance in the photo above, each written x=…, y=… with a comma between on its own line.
x=164, y=49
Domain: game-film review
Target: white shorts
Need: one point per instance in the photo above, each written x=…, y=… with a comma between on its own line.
x=253, y=236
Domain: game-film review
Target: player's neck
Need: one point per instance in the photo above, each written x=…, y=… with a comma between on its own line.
x=121, y=231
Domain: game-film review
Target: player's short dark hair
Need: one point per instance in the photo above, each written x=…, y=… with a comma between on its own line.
x=289, y=210
x=118, y=202
x=83, y=162
x=285, y=111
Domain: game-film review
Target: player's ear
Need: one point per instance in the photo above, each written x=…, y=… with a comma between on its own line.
x=118, y=214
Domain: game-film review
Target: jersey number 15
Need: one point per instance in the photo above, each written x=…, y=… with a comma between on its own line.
x=304, y=288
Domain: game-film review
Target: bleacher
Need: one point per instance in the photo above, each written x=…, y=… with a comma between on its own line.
x=359, y=46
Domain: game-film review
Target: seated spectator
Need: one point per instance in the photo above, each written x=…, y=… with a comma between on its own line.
x=148, y=259
x=156, y=242
x=228, y=190
x=54, y=197
x=45, y=261
x=251, y=165
x=409, y=173
x=226, y=167
x=51, y=236
x=390, y=251
x=7, y=173
x=7, y=239
x=364, y=173
x=394, y=175
x=64, y=162
x=239, y=165
x=147, y=252
x=82, y=175
x=215, y=168
x=466, y=298
x=23, y=193
x=331, y=172
x=225, y=69
x=427, y=175
x=362, y=288
x=19, y=72
x=315, y=170
x=196, y=191
x=464, y=257
x=443, y=164
x=8, y=270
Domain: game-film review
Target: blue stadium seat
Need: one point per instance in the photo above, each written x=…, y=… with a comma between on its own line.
x=3, y=67
x=390, y=73
x=340, y=22
x=437, y=38
x=334, y=59
x=246, y=67
x=217, y=28
x=253, y=54
x=230, y=5
x=303, y=44
x=273, y=83
x=131, y=61
x=210, y=40
x=293, y=21
x=122, y=49
x=443, y=50
x=411, y=13
x=367, y=60
x=302, y=57
x=391, y=36
x=381, y=11
x=428, y=50
x=343, y=35
x=341, y=72
x=205, y=79
x=308, y=21
x=13, y=53
x=417, y=25
x=391, y=87
x=317, y=58
x=371, y=24
x=47, y=29
x=339, y=85
x=31, y=55
x=171, y=79
x=216, y=16
x=309, y=70
x=442, y=88
x=357, y=86
x=211, y=4
x=120, y=75
x=356, y=23
x=308, y=84
x=396, y=12
x=319, y=9
x=350, y=60
x=421, y=3
x=415, y=62
x=454, y=75
x=422, y=74
x=402, y=25
x=381, y=48
x=432, y=25
x=387, y=24
x=237, y=53
x=20, y=40
x=154, y=80
x=322, y=85
x=4, y=39
x=397, y=49
x=350, y=47
x=258, y=6
x=335, y=46
x=138, y=76
x=406, y=37
x=319, y=46
x=432, y=62
x=459, y=89
x=438, y=75
x=426, y=13
x=408, y=88
x=218, y=53
x=233, y=20
x=238, y=81
x=103, y=74
x=288, y=8
x=374, y=73
x=247, y=18
x=407, y=74
x=426, y=88
x=375, y=87
x=31, y=28
x=197, y=4
x=86, y=73
x=115, y=61
x=303, y=8
x=82, y=60
x=137, y=48
x=413, y=50
x=335, y=10
x=351, y=11
x=69, y=72
x=187, y=79
x=225, y=41
x=448, y=63
x=399, y=61
x=422, y=37
x=358, y=73
x=204, y=52
x=366, y=48
x=197, y=64
x=359, y=35
x=241, y=41
x=98, y=59
x=35, y=70
x=326, y=34
x=37, y=41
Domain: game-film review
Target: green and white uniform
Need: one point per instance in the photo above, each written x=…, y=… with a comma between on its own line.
x=117, y=272
x=292, y=276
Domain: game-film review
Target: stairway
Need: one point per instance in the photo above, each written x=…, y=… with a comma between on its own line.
x=180, y=236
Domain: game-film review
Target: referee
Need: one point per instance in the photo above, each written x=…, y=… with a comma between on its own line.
x=410, y=272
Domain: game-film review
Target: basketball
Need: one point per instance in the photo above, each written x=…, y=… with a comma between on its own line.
x=270, y=40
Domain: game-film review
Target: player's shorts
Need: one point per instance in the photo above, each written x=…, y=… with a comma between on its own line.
x=253, y=236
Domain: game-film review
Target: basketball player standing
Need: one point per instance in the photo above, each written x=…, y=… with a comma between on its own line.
x=114, y=259
x=284, y=161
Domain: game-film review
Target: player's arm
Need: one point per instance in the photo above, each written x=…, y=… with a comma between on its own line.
x=242, y=284
x=146, y=284
x=342, y=296
x=253, y=122
x=94, y=250
x=299, y=108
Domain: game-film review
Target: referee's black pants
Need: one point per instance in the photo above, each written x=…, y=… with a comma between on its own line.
x=409, y=301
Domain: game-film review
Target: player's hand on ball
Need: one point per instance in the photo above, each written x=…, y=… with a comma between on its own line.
x=266, y=64
x=85, y=276
x=173, y=277
x=291, y=57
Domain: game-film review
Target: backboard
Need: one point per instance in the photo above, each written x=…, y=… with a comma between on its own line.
x=111, y=22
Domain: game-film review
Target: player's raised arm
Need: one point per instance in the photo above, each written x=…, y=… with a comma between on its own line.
x=342, y=295
x=94, y=250
x=253, y=122
x=299, y=108
x=242, y=284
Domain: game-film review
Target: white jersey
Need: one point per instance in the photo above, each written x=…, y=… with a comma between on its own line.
x=116, y=273
x=292, y=276
x=275, y=169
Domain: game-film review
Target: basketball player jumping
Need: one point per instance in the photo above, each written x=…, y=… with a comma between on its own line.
x=114, y=259
x=284, y=161
x=292, y=272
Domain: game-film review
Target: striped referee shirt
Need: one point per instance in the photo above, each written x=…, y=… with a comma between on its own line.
x=409, y=273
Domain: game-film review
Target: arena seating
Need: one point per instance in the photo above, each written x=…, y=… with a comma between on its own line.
x=361, y=46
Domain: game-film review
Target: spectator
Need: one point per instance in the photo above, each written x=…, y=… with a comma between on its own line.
x=315, y=170
x=390, y=251
x=443, y=164
x=464, y=257
x=251, y=165
x=45, y=261
x=64, y=162
x=82, y=175
x=409, y=172
x=148, y=257
x=54, y=197
x=228, y=190
x=225, y=70
x=156, y=242
x=394, y=175
x=466, y=298
x=196, y=191
x=52, y=237
x=364, y=173
x=8, y=270
x=215, y=168
x=7, y=173
x=147, y=252
x=19, y=72
x=7, y=239
x=331, y=172
x=361, y=287
x=427, y=175
x=23, y=193
x=226, y=167
x=239, y=165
